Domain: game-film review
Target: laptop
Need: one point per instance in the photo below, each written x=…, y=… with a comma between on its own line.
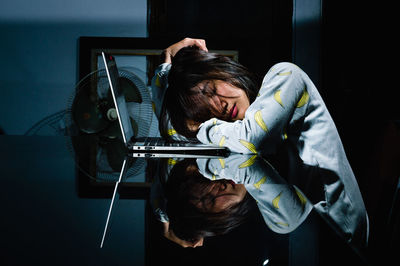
x=146, y=147
x=151, y=146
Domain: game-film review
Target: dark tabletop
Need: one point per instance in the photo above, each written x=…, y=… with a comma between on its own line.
x=54, y=213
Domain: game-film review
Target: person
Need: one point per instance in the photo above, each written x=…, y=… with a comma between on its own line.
x=215, y=100
x=207, y=197
x=192, y=207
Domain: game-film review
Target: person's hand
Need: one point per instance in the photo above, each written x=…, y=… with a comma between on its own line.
x=192, y=125
x=171, y=51
x=169, y=234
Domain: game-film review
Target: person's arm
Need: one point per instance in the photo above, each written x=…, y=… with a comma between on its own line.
x=283, y=206
x=171, y=51
x=282, y=97
x=159, y=82
x=169, y=234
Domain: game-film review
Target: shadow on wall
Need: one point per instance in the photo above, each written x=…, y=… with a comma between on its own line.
x=52, y=125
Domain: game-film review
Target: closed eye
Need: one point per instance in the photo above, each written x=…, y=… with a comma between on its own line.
x=224, y=107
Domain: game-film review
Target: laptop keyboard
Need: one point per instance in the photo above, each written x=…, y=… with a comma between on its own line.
x=162, y=142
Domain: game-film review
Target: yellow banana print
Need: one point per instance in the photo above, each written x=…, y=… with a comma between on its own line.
x=171, y=161
x=248, y=162
x=260, y=121
x=249, y=146
x=213, y=177
x=275, y=201
x=285, y=73
x=222, y=162
x=222, y=141
x=260, y=182
x=277, y=97
x=158, y=82
x=302, y=199
x=283, y=224
x=304, y=99
x=171, y=131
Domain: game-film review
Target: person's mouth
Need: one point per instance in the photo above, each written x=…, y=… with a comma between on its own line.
x=234, y=112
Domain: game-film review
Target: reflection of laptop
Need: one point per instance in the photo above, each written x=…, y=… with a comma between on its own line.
x=151, y=146
x=146, y=147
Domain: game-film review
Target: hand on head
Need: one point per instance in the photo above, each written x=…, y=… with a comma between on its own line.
x=169, y=234
x=171, y=51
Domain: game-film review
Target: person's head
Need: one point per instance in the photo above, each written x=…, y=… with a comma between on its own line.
x=198, y=207
x=203, y=85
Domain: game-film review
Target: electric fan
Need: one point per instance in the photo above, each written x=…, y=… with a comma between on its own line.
x=93, y=126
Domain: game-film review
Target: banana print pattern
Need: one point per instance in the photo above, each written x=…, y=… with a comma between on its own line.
x=157, y=81
x=171, y=132
x=282, y=208
x=267, y=120
x=287, y=73
x=283, y=224
x=277, y=97
x=222, y=141
x=249, y=146
x=222, y=162
x=248, y=162
x=302, y=198
x=260, y=121
x=275, y=201
x=171, y=161
x=260, y=182
x=287, y=100
x=304, y=99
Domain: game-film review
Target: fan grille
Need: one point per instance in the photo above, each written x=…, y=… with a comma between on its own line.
x=95, y=87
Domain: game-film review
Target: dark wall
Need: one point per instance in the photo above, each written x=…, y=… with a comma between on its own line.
x=261, y=30
x=356, y=78
x=39, y=45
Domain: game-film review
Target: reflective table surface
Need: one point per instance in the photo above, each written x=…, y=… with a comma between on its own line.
x=55, y=206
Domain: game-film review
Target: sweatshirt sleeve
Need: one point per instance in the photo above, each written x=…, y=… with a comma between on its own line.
x=283, y=206
x=282, y=98
x=159, y=84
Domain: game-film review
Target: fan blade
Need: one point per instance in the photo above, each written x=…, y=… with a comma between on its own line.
x=87, y=113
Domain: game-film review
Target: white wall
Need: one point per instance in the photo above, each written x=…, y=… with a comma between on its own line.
x=39, y=44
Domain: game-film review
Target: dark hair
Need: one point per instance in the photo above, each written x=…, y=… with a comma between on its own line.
x=187, y=221
x=184, y=100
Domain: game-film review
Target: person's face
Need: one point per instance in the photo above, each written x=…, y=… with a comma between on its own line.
x=220, y=195
x=231, y=100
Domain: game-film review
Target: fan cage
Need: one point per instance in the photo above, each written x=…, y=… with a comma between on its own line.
x=143, y=111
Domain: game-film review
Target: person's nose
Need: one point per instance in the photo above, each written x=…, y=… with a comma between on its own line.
x=220, y=105
x=224, y=106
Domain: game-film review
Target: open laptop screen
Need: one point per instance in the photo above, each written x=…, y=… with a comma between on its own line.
x=119, y=98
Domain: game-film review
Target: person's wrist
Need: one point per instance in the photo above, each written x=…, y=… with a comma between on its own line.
x=166, y=57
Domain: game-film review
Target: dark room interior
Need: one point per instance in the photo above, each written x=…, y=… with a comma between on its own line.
x=55, y=211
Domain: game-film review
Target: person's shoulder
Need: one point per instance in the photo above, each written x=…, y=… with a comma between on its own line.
x=284, y=67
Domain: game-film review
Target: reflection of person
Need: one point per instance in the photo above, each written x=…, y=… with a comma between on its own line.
x=197, y=207
x=192, y=207
x=210, y=97
x=283, y=206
